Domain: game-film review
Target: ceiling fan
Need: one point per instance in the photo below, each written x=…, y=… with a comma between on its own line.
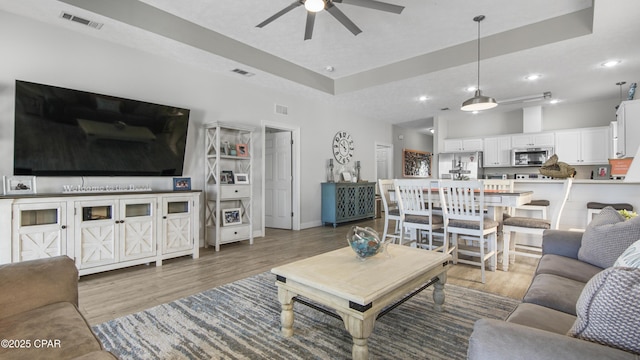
x=314, y=6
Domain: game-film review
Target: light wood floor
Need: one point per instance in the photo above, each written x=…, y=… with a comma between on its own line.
x=112, y=294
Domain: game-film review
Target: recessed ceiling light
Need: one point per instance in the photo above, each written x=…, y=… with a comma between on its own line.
x=423, y=98
x=554, y=101
x=329, y=68
x=533, y=77
x=611, y=63
x=471, y=89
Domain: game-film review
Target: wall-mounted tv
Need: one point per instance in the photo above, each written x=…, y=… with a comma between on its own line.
x=65, y=132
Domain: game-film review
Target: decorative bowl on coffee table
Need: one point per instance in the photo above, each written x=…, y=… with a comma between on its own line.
x=365, y=242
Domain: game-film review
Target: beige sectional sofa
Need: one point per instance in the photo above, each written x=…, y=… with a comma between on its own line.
x=39, y=316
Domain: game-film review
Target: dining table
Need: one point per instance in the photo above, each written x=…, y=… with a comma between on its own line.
x=496, y=202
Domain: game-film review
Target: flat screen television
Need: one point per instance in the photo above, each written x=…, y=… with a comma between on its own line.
x=65, y=132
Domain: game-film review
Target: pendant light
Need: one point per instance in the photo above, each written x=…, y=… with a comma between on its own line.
x=479, y=101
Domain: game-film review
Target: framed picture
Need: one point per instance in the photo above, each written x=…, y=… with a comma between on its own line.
x=19, y=185
x=241, y=178
x=226, y=177
x=346, y=176
x=181, y=184
x=416, y=163
x=242, y=150
x=231, y=216
x=601, y=172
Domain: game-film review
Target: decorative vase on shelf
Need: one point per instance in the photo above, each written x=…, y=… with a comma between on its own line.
x=365, y=242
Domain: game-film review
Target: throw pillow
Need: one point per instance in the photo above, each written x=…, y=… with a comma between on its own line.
x=607, y=310
x=630, y=257
x=607, y=236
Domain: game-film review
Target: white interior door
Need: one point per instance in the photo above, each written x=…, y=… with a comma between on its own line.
x=278, y=180
x=384, y=166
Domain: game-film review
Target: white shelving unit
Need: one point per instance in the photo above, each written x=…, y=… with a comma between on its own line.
x=228, y=199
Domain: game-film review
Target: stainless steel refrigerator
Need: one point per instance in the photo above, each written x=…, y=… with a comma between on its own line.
x=460, y=166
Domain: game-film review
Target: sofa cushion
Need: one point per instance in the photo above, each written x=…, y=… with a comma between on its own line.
x=607, y=236
x=542, y=318
x=608, y=311
x=566, y=267
x=630, y=257
x=555, y=292
x=59, y=321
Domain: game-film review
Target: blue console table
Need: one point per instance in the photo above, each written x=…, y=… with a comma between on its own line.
x=343, y=202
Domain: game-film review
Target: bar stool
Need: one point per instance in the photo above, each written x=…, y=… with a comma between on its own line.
x=595, y=207
x=537, y=205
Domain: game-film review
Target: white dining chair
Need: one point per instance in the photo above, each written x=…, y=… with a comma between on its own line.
x=391, y=211
x=415, y=201
x=463, y=209
x=536, y=226
x=499, y=185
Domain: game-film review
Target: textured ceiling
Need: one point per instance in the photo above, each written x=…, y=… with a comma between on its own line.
x=429, y=49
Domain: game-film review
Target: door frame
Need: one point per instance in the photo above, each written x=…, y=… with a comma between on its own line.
x=295, y=171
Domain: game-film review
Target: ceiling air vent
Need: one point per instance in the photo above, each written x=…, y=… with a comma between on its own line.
x=79, y=20
x=242, y=72
x=282, y=110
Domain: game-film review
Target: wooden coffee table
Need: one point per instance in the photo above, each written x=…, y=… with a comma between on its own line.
x=359, y=290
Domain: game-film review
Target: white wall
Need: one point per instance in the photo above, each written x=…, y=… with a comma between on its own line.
x=42, y=53
x=412, y=140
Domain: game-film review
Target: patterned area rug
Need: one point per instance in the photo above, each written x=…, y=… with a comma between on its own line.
x=241, y=320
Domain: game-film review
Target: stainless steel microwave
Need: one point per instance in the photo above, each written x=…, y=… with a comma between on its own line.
x=530, y=156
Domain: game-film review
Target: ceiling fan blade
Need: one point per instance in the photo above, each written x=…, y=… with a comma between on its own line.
x=343, y=19
x=372, y=4
x=280, y=13
x=308, y=30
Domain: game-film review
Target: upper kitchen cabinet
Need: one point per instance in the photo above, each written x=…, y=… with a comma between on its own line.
x=628, y=117
x=497, y=151
x=532, y=140
x=588, y=146
x=454, y=145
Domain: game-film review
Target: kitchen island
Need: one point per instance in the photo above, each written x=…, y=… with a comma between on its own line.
x=574, y=215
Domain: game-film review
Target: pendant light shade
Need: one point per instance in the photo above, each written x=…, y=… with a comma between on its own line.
x=479, y=101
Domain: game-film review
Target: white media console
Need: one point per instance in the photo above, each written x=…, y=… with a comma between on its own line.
x=100, y=231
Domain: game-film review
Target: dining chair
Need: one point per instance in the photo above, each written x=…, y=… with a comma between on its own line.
x=536, y=226
x=391, y=211
x=415, y=201
x=499, y=185
x=464, y=216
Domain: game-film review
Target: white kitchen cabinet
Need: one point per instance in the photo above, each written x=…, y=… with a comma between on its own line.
x=40, y=230
x=455, y=145
x=101, y=231
x=225, y=196
x=587, y=146
x=628, y=118
x=532, y=140
x=497, y=151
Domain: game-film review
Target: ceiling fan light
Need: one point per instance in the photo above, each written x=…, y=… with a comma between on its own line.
x=479, y=102
x=314, y=5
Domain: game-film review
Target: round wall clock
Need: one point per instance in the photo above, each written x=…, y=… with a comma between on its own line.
x=342, y=147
